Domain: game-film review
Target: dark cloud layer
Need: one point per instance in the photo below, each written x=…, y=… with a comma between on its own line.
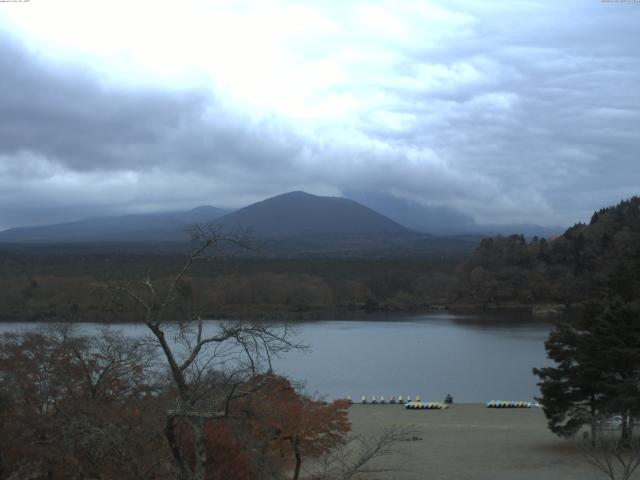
x=71, y=120
x=71, y=146
x=526, y=112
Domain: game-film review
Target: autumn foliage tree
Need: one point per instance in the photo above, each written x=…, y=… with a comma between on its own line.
x=269, y=433
x=291, y=425
x=77, y=406
x=71, y=407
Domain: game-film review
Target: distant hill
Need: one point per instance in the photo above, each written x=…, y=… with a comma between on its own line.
x=441, y=220
x=151, y=227
x=299, y=214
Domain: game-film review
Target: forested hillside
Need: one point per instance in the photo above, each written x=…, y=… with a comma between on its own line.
x=44, y=286
x=581, y=264
x=586, y=260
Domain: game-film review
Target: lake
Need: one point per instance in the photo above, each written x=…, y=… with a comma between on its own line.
x=475, y=358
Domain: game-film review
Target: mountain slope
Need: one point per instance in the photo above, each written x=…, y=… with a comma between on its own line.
x=441, y=220
x=299, y=214
x=165, y=226
x=422, y=218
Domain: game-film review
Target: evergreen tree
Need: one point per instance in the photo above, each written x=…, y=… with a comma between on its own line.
x=573, y=391
x=618, y=328
x=597, y=370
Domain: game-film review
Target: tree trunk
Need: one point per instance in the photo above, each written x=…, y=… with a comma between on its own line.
x=178, y=375
x=626, y=428
x=296, y=450
x=187, y=470
x=594, y=432
x=200, y=448
x=594, y=423
x=172, y=438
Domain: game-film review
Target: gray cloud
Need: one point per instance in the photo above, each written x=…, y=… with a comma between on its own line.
x=519, y=112
x=71, y=146
x=70, y=118
x=536, y=102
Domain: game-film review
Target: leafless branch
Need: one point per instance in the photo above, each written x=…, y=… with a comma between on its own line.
x=362, y=455
x=615, y=458
x=209, y=365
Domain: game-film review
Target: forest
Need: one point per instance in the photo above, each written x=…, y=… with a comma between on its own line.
x=48, y=287
x=503, y=271
x=568, y=269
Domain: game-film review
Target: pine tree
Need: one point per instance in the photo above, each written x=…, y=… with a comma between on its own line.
x=597, y=370
x=618, y=328
x=573, y=391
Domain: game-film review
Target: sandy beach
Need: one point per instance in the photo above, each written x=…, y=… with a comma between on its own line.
x=470, y=441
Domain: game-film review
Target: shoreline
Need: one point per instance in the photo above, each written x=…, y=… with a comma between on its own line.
x=534, y=313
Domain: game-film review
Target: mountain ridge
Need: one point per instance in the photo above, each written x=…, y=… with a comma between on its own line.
x=289, y=215
x=170, y=226
x=300, y=214
x=294, y=224
x=442, y=220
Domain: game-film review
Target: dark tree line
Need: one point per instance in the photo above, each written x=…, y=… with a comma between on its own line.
x=584, y=263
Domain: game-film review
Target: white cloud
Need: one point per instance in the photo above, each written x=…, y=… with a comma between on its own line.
x=510, y=112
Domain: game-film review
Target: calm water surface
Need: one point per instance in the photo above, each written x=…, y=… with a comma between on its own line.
x=475, y=358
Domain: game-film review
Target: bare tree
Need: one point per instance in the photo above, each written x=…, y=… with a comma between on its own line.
x=617, y=459
x=361, y=455
x=209, y=363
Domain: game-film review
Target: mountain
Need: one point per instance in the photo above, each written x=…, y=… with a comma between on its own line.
x=438, y=220
x=298, y=224
x=299, y=214
x=290, y=215
x=442, y=220
x=294, y=224
x=150, y=227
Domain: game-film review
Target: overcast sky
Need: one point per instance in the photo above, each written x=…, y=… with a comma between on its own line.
x=519, y=111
